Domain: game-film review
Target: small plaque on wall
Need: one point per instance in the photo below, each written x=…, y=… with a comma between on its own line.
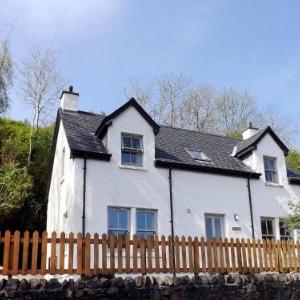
x=236, y=228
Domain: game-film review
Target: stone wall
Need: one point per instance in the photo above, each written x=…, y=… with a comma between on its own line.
x=260, y=286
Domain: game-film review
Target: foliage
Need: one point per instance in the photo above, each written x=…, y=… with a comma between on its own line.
x=30, y=211
x=6, y=74
x=292, y=221
x=15, y=187
x=293, y=159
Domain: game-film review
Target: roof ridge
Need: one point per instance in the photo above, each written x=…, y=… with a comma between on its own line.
x=207, y=133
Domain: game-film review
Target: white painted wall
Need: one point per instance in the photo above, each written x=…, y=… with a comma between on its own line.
x=195, y=193
x=270, y=200
x=61, y=192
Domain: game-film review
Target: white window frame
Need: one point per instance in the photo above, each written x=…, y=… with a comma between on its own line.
x=117, y=208
x=155, y=220
x=273, y=172
x=213, y=217
x=132, y=150
x=288, y=233
x=267, y=235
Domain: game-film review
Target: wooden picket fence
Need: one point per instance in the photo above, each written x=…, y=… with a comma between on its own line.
x=42, y=254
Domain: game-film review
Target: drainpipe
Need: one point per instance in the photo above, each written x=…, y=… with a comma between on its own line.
x=172, y=219
x=83, y=197
x=250, y=205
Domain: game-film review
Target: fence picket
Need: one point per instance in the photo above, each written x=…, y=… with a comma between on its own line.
x=227, y=258
x=177, y=255
x=183, y=254
x=156, y=245
x=135, y=261
x=44, y=254
x=146, y=255
x=203, y=256
x=104, y=254
x=62, y=253
x=127, y=254
x=79, y=254
x=96, y=253
x=53, y=254
x=232, y=252
x=191, y=256
x=6, y=267
x=120, y=258
x=71, y=252
x=25, y=253
x=149, y=252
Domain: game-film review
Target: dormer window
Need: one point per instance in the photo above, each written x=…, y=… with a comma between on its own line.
x=132, y=149
x=197, y=155
x=270, y=169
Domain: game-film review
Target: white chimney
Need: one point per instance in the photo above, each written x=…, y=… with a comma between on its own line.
x=250, y=131
x=69, y=100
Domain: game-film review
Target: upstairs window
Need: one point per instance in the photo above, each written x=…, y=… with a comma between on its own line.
x=132, y=150
x=267, y=228
x=270, y=170
x=145, y=222
x=198, y=155
x=285, y=234
x=118, y=221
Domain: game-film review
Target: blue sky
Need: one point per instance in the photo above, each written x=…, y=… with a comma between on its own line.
x=244, y=44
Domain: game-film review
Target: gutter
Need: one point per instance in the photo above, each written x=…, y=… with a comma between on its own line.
x=172, y=218
x=250, y=206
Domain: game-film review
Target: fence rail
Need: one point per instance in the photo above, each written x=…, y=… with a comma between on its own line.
x=51, y=254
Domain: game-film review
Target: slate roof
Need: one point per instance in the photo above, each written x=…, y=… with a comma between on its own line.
x=171, y=144
x=246, y=146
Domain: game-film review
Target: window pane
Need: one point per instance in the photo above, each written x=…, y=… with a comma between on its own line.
x=125, y=157
x=270, y=226
x=218, y=230
x=266, y=165
x=140, y=220
x=150, y=220
x=112, y=218
x=123, y=219
x=136, y=143
x=272, y=164
x=139, y=158
x=126, y=142
x=263, y=226
x=208, y=227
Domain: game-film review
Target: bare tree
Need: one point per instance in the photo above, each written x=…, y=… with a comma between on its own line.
x=141, y=92
x=6, y=74
x=40, y=83
x=282, y=124
x=198, y=111
x=172, y=90
x=235, y=110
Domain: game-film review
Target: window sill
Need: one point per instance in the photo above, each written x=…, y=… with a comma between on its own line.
x=274, y=184
x=129, y=167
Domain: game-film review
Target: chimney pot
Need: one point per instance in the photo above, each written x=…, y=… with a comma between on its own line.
x=71, y=88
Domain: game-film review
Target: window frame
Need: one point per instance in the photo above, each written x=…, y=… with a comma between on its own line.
x=130, y=150
x=119, y=208
x=213, y=217
x=266, y=236
x=274, y=172
x=146, y=210
x=205, y=157
x=287, y=236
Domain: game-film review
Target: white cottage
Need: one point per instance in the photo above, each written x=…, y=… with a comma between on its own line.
x=125, y=174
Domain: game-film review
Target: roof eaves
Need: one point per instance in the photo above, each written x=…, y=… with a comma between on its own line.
x=206, y=169
x=92, y=155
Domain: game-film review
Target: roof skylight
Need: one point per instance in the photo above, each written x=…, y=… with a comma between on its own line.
x=198, y=155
